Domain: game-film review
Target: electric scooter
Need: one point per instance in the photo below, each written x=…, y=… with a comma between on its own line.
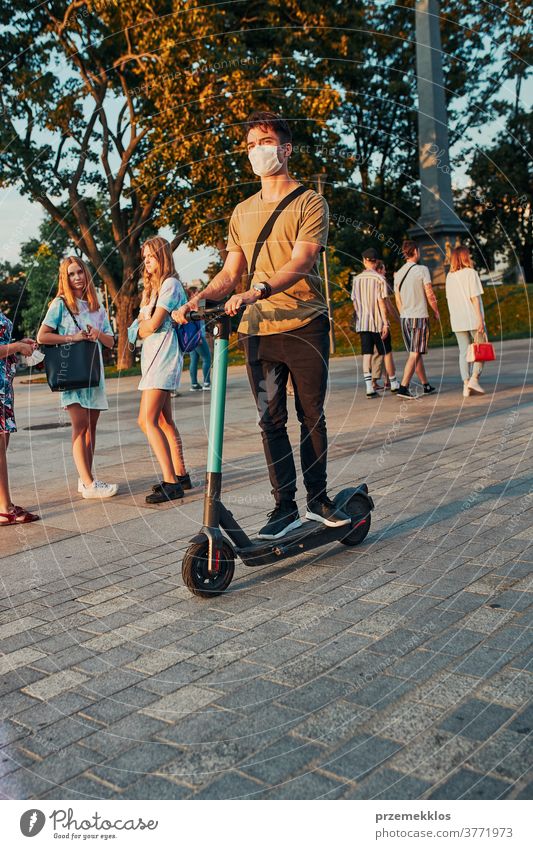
x=209, y=562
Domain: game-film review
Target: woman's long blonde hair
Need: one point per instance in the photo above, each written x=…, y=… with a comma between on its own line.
x=460, y=258
x=64, y=289
x=161, y=250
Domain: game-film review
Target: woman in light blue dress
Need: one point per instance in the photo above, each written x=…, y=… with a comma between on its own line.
x=73, y=316
x=161, y=364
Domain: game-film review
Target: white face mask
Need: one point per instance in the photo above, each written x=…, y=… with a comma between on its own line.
x=264, y=160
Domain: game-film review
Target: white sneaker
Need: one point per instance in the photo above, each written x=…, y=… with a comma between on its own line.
x=394, y=385
x=99, y=489
x=466, y=389
x=475, y=386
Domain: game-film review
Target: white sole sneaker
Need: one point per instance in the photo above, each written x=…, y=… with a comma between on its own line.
x=101, y=490
x=474, y=386
x=328, y=522
x=292, y=527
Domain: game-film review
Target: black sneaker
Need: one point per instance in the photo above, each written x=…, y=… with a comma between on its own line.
x=184, y=480
x=165, y=492
x=195, y=387
x=325, y=510
x=428, y=390
x=371, y=394
x=281, y=520
x=403, y=392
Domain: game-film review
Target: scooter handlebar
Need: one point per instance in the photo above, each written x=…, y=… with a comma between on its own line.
x=209, y=313
x=204, y=313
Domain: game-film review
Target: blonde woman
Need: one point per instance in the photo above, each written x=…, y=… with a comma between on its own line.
x=75, y=314
x=161, y=364
x=464, y=295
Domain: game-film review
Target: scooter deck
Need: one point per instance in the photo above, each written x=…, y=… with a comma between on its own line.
x=311, y=534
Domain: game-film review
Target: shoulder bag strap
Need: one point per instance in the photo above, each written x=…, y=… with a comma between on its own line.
x=152, y=311
x=156, y=354
x=267, y=227
x=405, y=275
x=70, y=311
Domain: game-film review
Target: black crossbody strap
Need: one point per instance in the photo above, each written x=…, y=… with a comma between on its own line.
x=71, y=313
x=405, y=275
x=267, y=227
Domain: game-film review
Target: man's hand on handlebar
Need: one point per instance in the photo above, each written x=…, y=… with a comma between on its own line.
x=234, y=304
x=180, y=316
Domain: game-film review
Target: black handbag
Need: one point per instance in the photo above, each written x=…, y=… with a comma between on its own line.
x=73, y=365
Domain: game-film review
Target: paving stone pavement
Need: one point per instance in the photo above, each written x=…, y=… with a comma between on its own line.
x=398, y=669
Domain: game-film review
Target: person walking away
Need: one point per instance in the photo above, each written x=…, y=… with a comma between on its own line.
x=464, y=294
x=285, y=327
x=369, y=293
x=413, y=292
x=203, y=352
x=75, y=315
x=161, y=365
x=378, y=363
x=10, y=514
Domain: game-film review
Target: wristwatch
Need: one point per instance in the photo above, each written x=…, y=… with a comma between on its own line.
x=264, y=289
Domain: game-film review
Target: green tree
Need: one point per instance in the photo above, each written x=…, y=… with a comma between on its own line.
x=40, y=282
x=368, y=49
x=122, y=118
x=136, y=106
x=12, y=294
x=498, y=206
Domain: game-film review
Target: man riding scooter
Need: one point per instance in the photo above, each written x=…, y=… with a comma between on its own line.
x=278, y=234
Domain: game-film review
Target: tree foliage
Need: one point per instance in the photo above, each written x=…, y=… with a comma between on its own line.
x=499, y=204
x=13, y=295
x=120, y=118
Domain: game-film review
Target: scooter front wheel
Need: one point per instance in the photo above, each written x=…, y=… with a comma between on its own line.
x=196, y=574
x=359, y=512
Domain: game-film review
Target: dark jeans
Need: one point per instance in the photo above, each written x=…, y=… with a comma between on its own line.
x=304, y=354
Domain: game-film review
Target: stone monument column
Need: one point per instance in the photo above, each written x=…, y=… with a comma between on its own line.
x=438, y=229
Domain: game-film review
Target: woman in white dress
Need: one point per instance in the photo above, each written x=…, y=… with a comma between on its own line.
x=161, y=364
x=74, y=315
x=464, y=295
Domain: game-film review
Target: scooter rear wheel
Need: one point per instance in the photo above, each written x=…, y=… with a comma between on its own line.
x=359, y=512
x=198, y=578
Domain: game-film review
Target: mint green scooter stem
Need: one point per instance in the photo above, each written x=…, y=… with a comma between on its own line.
x=218, y=405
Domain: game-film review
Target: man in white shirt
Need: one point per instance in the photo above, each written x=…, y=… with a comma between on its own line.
x=369, y=293
x=413, y=292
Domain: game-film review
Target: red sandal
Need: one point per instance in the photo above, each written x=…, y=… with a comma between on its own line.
x=18, y=516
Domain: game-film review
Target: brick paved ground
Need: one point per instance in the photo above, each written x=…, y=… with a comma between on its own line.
x=398, y=669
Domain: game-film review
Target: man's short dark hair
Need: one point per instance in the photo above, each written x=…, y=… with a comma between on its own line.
x=270, y=121
x=409, y=248
x=371, y=254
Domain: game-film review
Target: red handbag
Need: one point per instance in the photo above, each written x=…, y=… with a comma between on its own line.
x=480, y=352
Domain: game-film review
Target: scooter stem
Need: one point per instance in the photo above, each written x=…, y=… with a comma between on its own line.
x=217, y=409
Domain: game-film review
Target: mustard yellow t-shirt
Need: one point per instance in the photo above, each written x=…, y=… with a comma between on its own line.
x=304, y=220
